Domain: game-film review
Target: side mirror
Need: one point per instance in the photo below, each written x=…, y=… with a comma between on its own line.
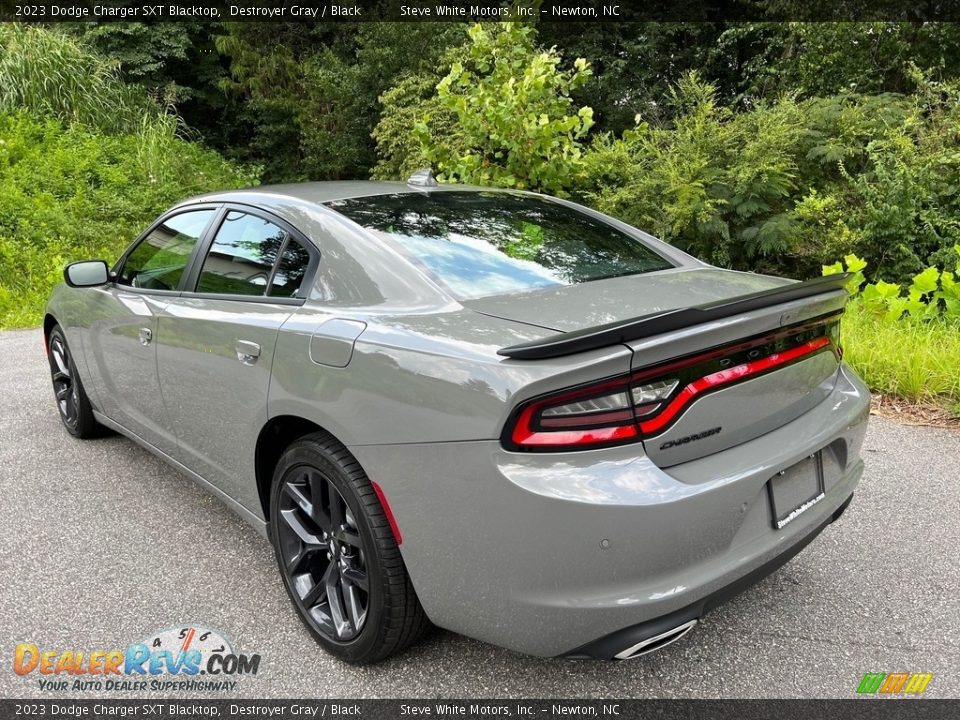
x=86, y=273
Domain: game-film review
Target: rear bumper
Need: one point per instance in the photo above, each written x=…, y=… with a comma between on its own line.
x=650, y=635
x=546, y=553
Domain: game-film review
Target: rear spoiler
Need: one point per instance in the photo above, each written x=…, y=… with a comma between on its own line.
x=670, y=320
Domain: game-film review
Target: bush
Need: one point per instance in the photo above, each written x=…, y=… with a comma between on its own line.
x=931, y=294
x=400, y=151
x=72, y=193
x=787, y=186
x=516, y=124
x=905, y=340
x=716, y=183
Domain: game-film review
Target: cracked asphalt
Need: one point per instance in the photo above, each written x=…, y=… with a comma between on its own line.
x=103, y=545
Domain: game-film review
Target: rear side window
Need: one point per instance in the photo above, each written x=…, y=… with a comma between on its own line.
x=241, y=258
x=158, y=261
x=487, y=243
x=292, y=269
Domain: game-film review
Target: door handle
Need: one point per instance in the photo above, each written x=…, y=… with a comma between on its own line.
x=146, y=335
x=247, y=352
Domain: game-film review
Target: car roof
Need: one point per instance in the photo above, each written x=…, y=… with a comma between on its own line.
x=320, y=193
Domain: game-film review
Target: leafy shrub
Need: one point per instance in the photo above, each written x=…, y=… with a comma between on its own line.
x=717, y=184
x=932, y=293
x=905, y=340
x=400, y=150
x=516, y=124
x=784, y=187
x=72, y=193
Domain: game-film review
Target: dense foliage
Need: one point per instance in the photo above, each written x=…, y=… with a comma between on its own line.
x=932, y=294
x=905, y=340
x=309, y=95
x=792, y=184
x=271, y=72
x=81, y=174
x=782, y=184
x=516, y=125
x=50, y=75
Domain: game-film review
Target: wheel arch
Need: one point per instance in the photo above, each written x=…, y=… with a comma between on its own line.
x=275, y=437
x=49, y=321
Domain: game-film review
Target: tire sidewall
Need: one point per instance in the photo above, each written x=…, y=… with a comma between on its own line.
x=309, y=454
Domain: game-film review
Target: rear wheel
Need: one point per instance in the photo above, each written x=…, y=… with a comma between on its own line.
x=337, y=555
x=72, y=402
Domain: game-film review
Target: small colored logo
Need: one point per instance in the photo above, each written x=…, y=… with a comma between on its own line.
x=187, y=652
x=898, y=683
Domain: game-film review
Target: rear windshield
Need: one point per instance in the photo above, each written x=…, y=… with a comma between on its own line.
x=487, y=243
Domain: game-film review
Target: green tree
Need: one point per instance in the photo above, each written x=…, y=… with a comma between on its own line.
x=178, y=65
x=635, y=64
x=311, y=97
x=413, y=97
x=515, y=118
x=822, y=59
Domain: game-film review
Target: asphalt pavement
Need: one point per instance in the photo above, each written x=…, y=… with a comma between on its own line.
x=103, y=545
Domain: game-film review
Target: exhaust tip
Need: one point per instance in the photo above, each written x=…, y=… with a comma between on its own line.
x=656, y=642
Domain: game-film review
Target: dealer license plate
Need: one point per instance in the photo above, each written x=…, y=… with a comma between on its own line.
x=795, y=490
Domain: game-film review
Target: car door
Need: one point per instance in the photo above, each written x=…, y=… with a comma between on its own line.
x=215, y=343
x=121, y=351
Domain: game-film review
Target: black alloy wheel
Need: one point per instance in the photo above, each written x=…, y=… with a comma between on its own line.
x=64, y=387
x=338, y=555
x=72, y=402
x=323, y=553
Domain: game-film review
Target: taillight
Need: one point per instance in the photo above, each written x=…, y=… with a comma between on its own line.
x=622, y=409
x=593, y=415
x=649, y=397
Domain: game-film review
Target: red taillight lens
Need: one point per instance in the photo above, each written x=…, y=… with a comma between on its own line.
x=592, y=415
x=727, y=377
x=622, y=409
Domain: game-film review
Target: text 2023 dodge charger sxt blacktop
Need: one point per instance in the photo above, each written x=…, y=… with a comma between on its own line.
x=508, y=414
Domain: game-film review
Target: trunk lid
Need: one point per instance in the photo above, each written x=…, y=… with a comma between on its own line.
x=734, y=377
x=775, y=364
x=739, y=394
x=573, y=307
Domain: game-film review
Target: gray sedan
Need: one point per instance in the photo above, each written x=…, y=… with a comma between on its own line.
x=496, y=411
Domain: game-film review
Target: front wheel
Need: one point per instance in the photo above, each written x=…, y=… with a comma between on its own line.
x=337, y=555
x=72, y=402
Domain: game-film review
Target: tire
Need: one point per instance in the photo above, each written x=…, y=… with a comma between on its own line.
x=72, y=401
x=337, y=555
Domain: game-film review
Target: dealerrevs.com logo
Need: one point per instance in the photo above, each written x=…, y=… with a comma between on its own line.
x=181, y=659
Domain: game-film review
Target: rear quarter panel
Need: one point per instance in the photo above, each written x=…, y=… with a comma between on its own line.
x=420, y=378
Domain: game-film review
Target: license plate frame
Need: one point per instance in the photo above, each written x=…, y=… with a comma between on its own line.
x=796, y=489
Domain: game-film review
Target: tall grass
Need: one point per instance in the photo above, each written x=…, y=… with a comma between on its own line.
x=154, y=136
x=917, y=361
x=50, y=75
